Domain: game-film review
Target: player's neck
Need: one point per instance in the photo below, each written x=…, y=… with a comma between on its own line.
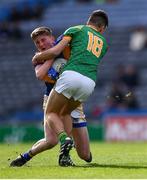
x=93, y=27
x=100, y=29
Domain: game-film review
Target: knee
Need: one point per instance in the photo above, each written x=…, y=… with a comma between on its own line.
x=83, y=155
x=86, y=156
x=89, y=158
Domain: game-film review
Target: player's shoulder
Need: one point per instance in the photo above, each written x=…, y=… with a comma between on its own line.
x=77, y=27
x=74, y=29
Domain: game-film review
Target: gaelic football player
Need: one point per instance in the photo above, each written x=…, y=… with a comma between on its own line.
x=78, y=78
x=44, y=40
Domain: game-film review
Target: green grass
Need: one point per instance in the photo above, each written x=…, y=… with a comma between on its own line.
x=110, y=160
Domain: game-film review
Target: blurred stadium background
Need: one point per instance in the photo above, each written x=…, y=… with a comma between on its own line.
x=117, y=111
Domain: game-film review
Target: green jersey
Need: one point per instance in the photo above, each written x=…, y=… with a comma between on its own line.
x=87, y=49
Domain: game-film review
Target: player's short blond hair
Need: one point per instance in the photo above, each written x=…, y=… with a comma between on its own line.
x=39, y=31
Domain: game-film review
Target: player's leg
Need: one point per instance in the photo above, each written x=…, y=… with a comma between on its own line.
x=46, y=143
x=56, y=103
x=80, y=134
x=50, y=139
x=83, y=149
x=66, y=119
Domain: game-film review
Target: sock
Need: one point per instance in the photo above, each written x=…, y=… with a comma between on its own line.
x=27, y=155
x=62, y=136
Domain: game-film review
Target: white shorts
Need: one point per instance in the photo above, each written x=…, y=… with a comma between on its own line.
x=74, y=85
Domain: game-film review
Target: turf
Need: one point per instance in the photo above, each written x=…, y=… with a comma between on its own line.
x=110, y=160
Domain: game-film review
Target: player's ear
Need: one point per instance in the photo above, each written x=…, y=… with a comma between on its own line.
x=101, y=29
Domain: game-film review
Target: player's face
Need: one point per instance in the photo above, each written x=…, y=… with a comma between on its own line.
x=44, y=42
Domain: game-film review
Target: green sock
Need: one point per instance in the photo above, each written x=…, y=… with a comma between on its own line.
x=62, y=136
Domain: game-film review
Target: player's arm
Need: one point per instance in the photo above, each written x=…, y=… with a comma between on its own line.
x=53, y=52
x=42, y=69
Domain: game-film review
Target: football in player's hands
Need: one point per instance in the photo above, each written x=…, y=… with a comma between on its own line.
x=58, y=64
x=56, y=68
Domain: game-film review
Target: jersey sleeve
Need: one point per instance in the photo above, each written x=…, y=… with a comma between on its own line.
x=58, y=39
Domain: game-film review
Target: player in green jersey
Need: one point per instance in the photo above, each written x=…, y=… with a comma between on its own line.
x=77, y=81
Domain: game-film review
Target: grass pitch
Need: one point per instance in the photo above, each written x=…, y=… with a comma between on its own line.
x=110, y=160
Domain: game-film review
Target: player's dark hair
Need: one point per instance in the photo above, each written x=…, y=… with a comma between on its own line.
x=41, y=30
x=98, y=18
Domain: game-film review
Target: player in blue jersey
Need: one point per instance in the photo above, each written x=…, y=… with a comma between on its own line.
x=43, y=40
